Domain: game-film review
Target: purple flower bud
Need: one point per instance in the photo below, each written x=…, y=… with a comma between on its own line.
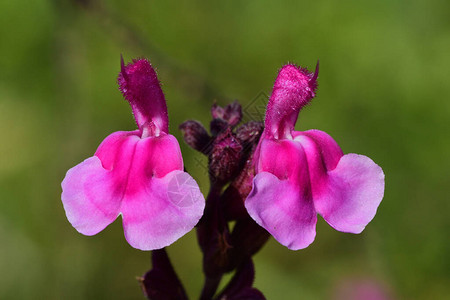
x=235, y=194
x=196, y=136
x=225, y=156
x=249, y=133
x=217, y=126
x=232, y=113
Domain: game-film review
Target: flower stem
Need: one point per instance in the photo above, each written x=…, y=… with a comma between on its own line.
x=210, y=287
x=208, y=230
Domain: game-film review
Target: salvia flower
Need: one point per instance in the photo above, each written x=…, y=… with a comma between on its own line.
x=302, y=173
x=138, y=174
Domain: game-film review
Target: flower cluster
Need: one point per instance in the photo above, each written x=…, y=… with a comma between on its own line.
x=265, y=176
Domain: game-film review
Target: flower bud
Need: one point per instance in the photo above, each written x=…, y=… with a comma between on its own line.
x=235, y=194
x=225, y=157
x=217, y=126
x=250, y=132
x=196, y=136
x=232, y=113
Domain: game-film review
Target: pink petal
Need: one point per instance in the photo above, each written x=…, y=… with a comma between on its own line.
x=161, y=203
x=162, y=211
x=346, y=189
x=89, y=196
x=352, y=194
x=140, y=178
x=282, y=208
x=93, y=190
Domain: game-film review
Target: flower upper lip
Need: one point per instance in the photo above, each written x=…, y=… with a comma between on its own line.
x=294, y=88
x=140, y=87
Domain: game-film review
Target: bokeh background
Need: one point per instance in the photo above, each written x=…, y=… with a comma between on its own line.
x=383, y=91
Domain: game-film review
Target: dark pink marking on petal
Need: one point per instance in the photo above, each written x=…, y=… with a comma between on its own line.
x=329, y=150
x=117, y=153
x=283, y=158
x=164, y=210
x=293, y=89
x=112, y=147
x=162, y=155
x=283, y=209
x=154, y=157
x=140, y=87
x=133, y=160
x=352, y=194
x=322, y=154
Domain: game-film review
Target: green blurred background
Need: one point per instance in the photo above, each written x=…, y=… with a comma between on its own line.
x=383, y=92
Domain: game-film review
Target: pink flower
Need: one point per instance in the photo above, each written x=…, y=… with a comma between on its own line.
x=362, y=288
x=138, y=174
x=302, y=173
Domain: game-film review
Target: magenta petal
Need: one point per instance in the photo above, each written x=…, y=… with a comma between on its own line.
x=163, y=211
x=89, y=197
x=330, y=151
x=117, y=149
x=285, y=159
x=322, y=155
x=283, y=210
x=354, y=190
